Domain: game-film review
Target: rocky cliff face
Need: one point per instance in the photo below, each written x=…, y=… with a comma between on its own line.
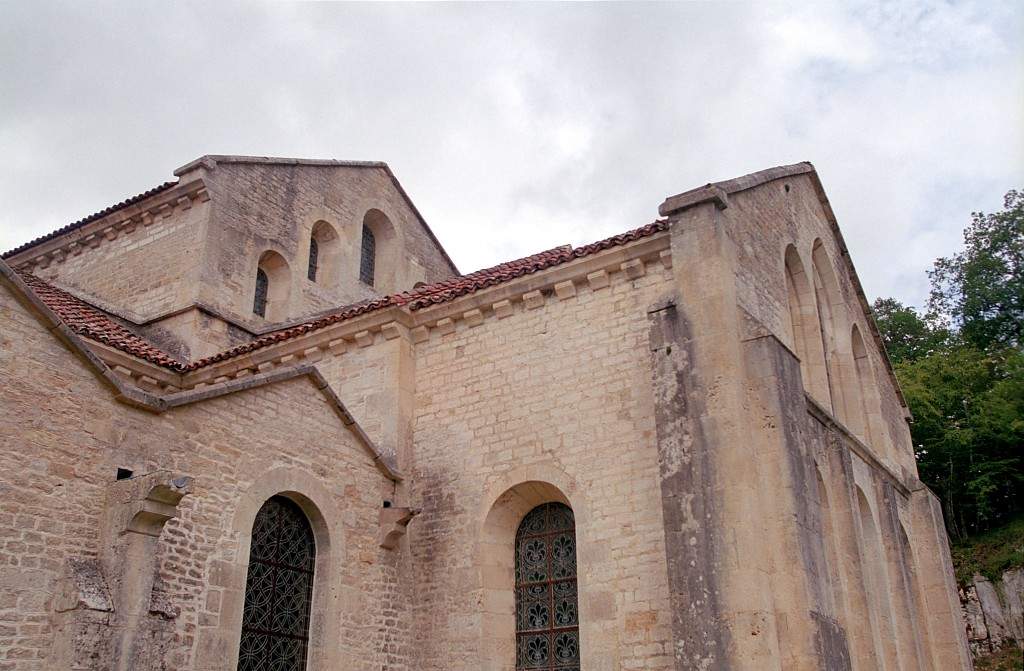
x=993, y=612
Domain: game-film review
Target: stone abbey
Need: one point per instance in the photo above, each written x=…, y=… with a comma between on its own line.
x=255, y=419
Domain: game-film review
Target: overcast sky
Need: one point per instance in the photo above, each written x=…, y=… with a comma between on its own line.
x=516, y=128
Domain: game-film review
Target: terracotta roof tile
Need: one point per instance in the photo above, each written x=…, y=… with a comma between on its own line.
x=93, y=323
x=88, y=321
x=91, y=218
x=441, y=292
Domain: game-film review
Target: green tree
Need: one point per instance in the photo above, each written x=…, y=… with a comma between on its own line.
x=968, y=429
x=907, y=335
x=961, y=368
x=981, y=289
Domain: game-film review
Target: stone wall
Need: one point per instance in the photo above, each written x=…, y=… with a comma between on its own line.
x=763, y=222
x=141, y=273
x=272, y=206
x=550, y=402
x=67, y=437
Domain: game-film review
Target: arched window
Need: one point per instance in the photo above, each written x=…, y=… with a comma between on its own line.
x=324, y=252
x=259, y=303
x=273, y=287
x=278, y=589
x=368, y=259
x=547, y=612
x=314, y=252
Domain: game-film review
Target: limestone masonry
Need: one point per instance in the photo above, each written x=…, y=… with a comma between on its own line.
x=255, y=419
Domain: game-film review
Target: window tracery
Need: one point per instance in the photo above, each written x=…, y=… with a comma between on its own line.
x=547, y=611
x=278, y=590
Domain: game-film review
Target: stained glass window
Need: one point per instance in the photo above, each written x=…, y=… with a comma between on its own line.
x=547, y=615
x=278, y=590
x=314, y=252
x=259, y=303
x=369, y=251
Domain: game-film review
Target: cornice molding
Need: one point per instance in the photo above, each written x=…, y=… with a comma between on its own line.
x=124, y=221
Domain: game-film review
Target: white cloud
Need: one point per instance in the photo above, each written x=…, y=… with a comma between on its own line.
x=520, y=127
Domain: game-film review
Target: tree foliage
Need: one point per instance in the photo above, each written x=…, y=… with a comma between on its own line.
x=961, y=367
x=980, y=291
x=908, y=336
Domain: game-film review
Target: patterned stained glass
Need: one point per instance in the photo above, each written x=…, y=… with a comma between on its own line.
x=278, y=590
x=314, y=253
x=367, y=260
x=547, y=614
x=259, y=303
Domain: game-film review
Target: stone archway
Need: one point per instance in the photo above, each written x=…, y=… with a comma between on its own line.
x=495, y=560
x=218, y=646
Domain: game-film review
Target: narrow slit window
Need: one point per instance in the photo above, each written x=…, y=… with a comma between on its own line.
x=259, y=303
x=367, y=260
x=314, y=253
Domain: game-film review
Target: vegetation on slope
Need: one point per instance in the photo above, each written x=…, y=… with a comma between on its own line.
x=990, y=553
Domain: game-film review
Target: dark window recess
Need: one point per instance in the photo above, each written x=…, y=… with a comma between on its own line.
x=278, y=590
x=547, y=615
x=259, y=303
x=314, y=252
x=366, y=261
x=124, y=473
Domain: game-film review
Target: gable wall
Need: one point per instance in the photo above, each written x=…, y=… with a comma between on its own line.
x=762, y=221
x=259, y=207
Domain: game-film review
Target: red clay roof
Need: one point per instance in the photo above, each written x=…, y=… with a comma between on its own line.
x=92, y=217
x=93, y=323
x=85, y=320
x=444, y=291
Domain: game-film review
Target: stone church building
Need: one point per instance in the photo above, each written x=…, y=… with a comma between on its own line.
x=255, y=419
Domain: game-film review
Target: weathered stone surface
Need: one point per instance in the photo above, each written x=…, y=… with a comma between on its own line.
x=710, y=401
x=992, y=612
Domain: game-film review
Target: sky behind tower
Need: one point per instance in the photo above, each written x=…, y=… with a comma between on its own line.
x=516, y=128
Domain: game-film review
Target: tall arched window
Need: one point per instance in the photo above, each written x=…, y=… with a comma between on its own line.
x=278, y=589
x=368, y=259
x=259, y=302
x=547, y=612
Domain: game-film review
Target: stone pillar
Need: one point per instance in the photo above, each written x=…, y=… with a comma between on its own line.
x=937, y=583
x=137, y=510
x=736, y=478
x=712, y=498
